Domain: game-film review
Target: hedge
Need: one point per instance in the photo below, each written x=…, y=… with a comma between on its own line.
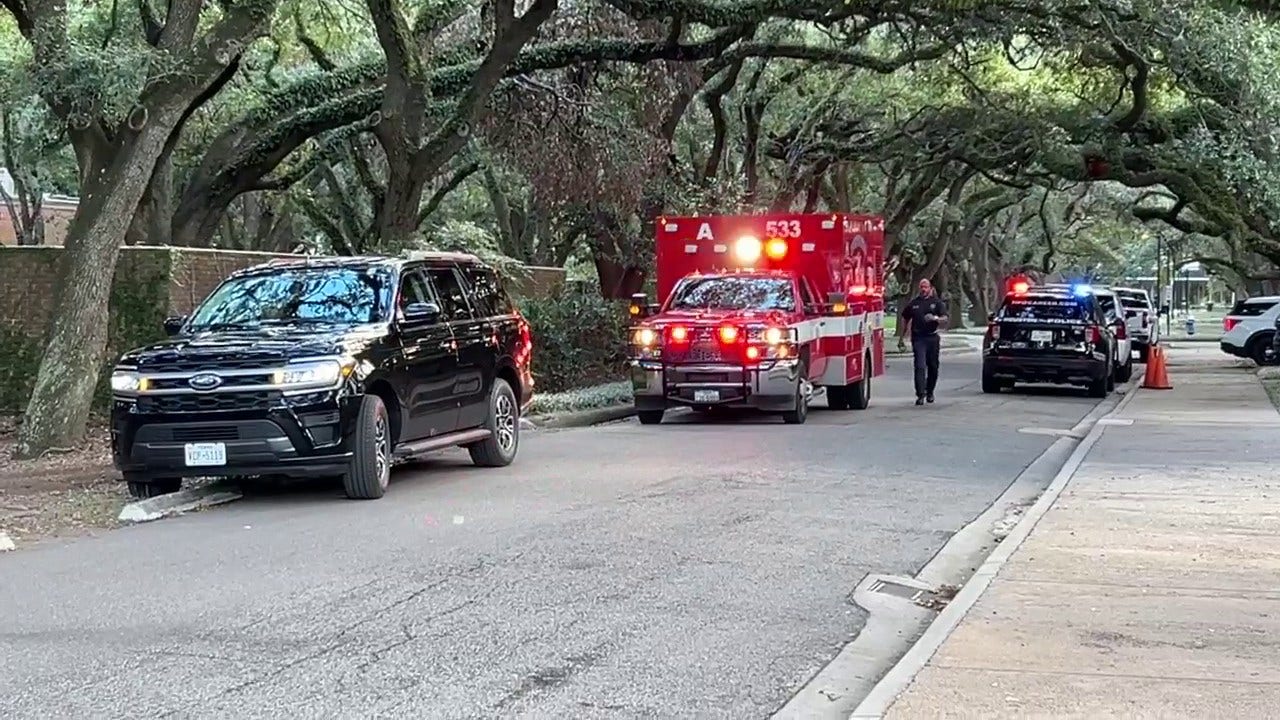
x=579, y=340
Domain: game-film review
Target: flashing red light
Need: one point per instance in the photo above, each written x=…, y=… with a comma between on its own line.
x=728, y=334
x=678, y=334
x=1228, y=323
x=753, y=353
x=1021, y=287
x=776, y=249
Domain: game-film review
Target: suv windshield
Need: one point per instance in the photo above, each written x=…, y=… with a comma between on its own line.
x=734, y=293
x=1050, y=309
x=297, y=296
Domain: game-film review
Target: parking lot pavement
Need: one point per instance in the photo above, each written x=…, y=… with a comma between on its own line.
x=687, y=569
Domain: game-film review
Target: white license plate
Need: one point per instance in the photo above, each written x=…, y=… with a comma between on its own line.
x=1041, y=336
x=706, y=396
x=206, y=454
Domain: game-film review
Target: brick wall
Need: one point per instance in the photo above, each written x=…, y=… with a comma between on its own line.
x=150, y=284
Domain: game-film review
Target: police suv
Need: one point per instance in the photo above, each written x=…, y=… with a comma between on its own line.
x=1056, y=335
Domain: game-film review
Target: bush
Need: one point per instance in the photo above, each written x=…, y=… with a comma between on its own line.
x=579, y=340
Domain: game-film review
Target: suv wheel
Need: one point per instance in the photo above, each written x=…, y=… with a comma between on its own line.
x=1125, y=371
x=143, y=489
x=499, y=449
x=370, y=471
x=1262, y=349
x=650, y=417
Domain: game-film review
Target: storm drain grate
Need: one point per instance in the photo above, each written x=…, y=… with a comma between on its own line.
x=905, y=592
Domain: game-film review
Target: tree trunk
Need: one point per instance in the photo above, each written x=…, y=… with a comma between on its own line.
x=72, y=361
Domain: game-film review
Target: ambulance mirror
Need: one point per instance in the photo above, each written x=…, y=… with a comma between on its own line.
x=639, y=305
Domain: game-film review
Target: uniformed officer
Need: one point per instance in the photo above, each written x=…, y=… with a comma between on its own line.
x=922, y=316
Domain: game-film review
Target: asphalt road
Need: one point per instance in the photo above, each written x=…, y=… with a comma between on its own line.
x=682, y=570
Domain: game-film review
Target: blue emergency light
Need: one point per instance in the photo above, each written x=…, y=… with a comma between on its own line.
x=1082, y=290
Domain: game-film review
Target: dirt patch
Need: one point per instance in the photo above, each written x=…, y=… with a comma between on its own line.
x=61, y=494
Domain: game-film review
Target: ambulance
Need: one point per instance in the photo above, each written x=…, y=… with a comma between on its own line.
x=761, y=311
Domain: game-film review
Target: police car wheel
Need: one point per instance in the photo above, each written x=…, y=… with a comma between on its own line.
x=991, y=385
x=650, y=417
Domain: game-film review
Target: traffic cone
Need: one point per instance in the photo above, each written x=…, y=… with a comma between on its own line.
x=1157, y=375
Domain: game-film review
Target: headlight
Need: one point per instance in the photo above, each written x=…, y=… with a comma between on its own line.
x=321, y=372
x=125, y=381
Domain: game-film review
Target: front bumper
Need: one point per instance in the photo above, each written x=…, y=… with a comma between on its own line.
x=770, y=387
x=307, y=439
x=1057, y=370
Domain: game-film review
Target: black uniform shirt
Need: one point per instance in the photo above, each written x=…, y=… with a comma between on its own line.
x=918, y=308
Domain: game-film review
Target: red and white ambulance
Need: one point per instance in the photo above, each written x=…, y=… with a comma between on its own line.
x=761, y=311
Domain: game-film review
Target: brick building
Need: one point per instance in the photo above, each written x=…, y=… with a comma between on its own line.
x=57, y=211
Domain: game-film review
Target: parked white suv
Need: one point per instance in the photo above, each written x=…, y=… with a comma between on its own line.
x=1248, y=330
x=1143, y=320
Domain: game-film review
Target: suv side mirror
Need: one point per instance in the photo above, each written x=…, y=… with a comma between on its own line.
x=423, y=312
x=991, y=317
x=173, y=325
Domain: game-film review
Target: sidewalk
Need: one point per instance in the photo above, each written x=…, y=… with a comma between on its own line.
x=1151, y=587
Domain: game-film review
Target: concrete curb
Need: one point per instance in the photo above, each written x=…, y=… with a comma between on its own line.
x=901, y=675
x=582, y=418
x=6, y=542
x=177, y=503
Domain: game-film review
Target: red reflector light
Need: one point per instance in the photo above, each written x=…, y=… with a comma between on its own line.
x=776, y=249
x=728, y=334
x=678, y=333
x=1228, y=323
x=1095, y=334
x=1122, y=332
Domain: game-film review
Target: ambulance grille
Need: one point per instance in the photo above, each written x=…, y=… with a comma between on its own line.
x=703, y=353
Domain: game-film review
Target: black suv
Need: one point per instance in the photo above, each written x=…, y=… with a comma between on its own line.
x=327, y=367
x=1049, y=335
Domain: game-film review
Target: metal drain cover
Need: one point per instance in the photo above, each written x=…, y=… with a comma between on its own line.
x=915, y=595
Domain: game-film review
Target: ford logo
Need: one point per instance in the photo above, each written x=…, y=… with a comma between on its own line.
x=205, y=381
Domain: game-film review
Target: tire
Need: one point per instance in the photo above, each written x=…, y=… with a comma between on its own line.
x=801, y=413
x=991, y=385
x=1144, y=353
x=650, y=417
x=503, y=421
x=1125, y=372
x=1261, y=350
x=1098, y=388
x=143, y=489
x=370, y=471
x=1111, y=381
x=859, y=393
x=838, y=397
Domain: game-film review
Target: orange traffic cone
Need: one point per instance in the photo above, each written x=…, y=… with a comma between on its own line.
x=1157, y=376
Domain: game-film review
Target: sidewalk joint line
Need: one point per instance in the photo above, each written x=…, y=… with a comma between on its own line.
x=1124, y=676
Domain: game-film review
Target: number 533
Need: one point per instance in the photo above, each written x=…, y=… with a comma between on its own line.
x=782, y=228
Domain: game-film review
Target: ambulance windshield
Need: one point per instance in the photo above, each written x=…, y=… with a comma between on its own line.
x=734, y=293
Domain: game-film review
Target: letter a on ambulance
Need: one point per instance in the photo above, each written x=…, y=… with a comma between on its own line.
x=704, y=232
